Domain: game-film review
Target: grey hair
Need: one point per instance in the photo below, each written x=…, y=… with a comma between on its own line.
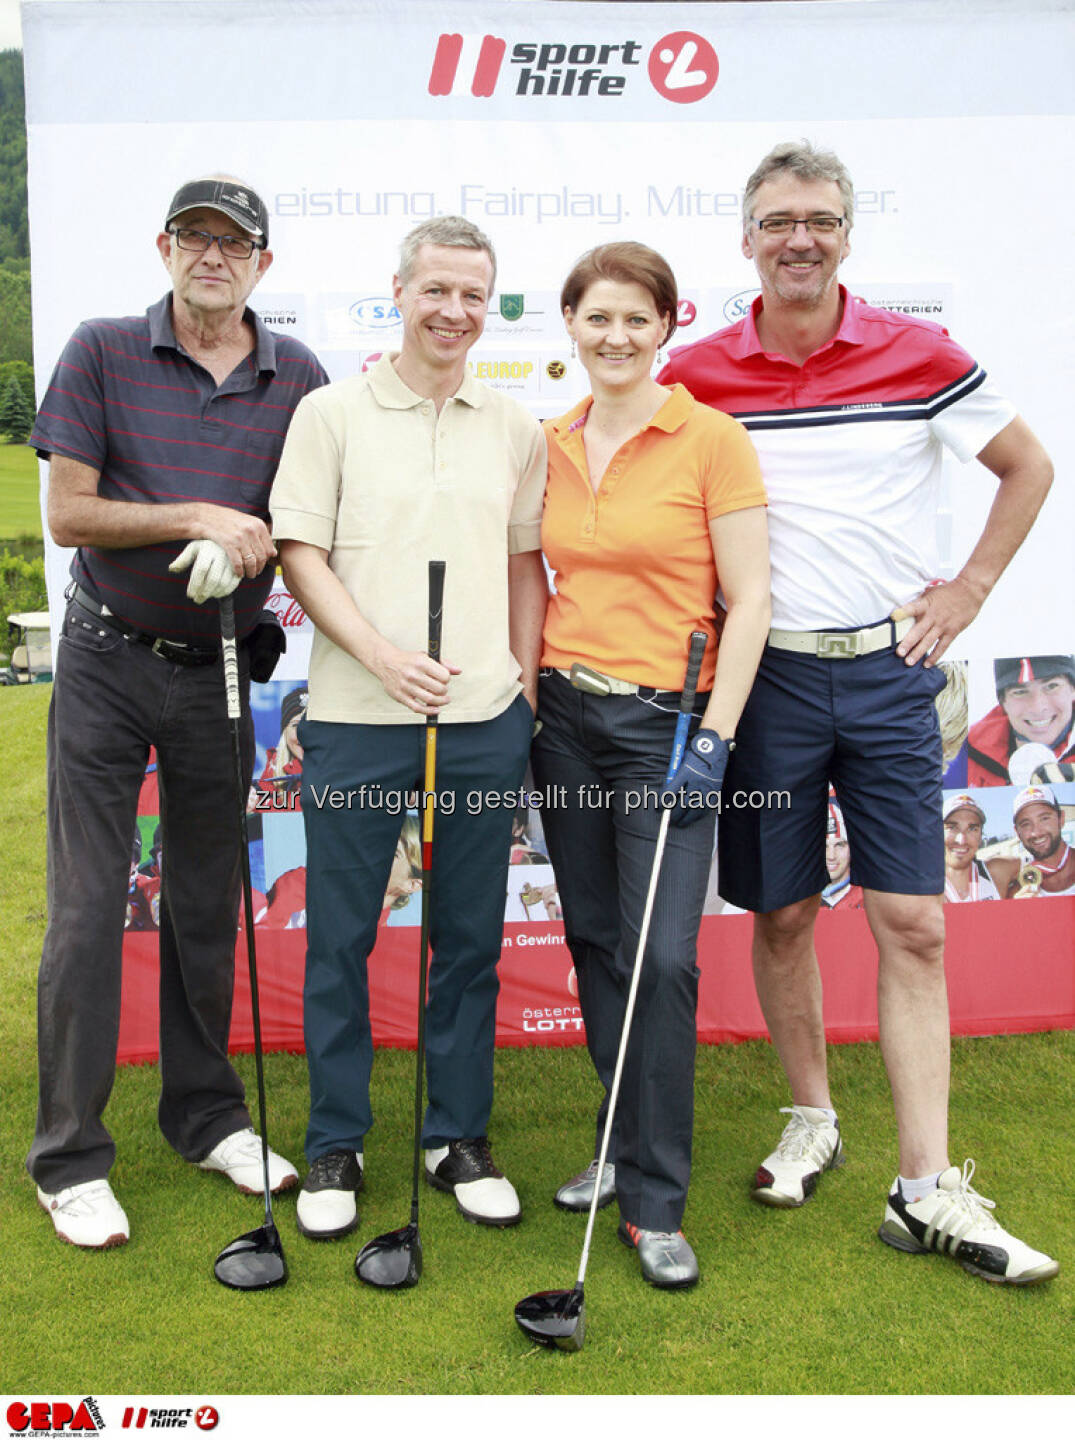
x=443, y=230
x=801, y=159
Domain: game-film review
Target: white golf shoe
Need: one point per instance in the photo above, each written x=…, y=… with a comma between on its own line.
x=809, y=1145
x=238, y=1156
x=88, y=1215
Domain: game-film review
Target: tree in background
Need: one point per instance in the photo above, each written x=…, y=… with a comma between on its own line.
x=15, y=340
x=16, y=417
x=22, y=372
x=14, y=227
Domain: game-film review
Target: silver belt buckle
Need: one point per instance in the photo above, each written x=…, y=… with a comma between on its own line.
x=839, y=647
x=590, y=681
x=156, y=647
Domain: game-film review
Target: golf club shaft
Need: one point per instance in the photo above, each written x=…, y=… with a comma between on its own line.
x=235, y=711
x=436, y=611
x=679, y=744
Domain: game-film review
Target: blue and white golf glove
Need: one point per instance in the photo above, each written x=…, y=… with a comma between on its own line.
x=700, y=774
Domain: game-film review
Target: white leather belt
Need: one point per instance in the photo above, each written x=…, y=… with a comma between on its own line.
x=842, y=644
x=615, y=687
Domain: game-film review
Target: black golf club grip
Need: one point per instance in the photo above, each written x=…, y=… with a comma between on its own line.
x=231, y=657
x=436, y=606
x=695, y=656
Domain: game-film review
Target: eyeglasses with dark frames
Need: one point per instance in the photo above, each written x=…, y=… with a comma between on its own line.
x=235, y=247
x=815, y=224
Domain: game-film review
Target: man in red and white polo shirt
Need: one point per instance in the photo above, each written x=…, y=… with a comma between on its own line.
x=850, y=409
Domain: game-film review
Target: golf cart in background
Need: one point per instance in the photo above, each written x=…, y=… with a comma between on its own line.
x=31, y=650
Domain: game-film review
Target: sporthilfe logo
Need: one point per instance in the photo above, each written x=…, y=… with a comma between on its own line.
x=682, y=66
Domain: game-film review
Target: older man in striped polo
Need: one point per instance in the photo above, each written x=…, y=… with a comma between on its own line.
x=162, y=432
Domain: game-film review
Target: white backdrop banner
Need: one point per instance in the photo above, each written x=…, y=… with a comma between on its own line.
x=556, y=126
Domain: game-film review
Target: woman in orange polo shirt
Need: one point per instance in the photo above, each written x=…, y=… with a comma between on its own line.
x=654, y=502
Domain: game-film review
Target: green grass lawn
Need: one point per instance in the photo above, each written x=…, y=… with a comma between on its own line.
x=20, y=508
x=796, y=1302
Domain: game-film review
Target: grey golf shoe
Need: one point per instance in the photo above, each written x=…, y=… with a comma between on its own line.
x=577, y=1193
x=667, y=1259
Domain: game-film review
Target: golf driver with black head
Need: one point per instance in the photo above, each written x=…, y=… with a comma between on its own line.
x=557, y=1318
x=393, y=1261
x=254, y=1261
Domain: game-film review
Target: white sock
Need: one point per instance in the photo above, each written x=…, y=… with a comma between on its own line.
x=918, y=1188
x=830, y=1115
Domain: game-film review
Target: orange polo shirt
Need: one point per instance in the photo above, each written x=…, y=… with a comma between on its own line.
x=634, y=566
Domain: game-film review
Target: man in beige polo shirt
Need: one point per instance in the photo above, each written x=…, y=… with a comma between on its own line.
x=383, y=472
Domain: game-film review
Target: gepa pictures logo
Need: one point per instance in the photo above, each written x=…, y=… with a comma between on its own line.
x=54, y=1417
x=682, y=67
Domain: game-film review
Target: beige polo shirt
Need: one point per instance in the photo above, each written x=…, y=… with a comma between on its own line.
x=372, y=474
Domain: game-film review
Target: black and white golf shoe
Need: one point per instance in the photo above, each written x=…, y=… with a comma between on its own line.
x=955, y=1220
x=466, y=1170
x=327, y=1208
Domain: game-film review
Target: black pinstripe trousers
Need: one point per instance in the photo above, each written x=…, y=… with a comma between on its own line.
x=610, y=755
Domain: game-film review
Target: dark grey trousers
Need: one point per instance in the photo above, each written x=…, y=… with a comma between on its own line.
x=111, y=700
x=609, y=753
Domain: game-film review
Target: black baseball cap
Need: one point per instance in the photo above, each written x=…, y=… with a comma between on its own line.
x=237, y=202
x=1020, y=670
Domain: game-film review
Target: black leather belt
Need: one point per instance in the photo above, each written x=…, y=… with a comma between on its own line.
x=173, y=650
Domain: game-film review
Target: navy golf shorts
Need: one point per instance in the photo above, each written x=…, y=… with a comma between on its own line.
x=867, y=726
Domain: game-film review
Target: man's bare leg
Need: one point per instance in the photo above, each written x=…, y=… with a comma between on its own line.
x=788, y=983
x=912, y=1009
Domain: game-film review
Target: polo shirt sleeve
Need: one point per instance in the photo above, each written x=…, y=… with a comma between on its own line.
x=305, y=493
x=524, y=522
x=71, y=419
x=731, y=476
x=967, y=410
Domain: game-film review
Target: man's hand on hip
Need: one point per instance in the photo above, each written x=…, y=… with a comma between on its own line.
x=940, y=613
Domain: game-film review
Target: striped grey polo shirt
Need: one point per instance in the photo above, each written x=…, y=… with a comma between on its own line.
x=128, y=401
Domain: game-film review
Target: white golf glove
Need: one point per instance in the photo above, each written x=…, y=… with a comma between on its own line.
x=211, y=574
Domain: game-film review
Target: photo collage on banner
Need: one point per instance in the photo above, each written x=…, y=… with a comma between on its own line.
x=1009, y=799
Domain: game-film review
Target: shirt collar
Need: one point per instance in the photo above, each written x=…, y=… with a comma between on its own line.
x=672, y=414
x=162, y=333
x=390, y=391
x=849, y=333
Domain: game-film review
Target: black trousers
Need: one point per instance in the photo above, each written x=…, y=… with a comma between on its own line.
x=610, y=753
x=111, y=700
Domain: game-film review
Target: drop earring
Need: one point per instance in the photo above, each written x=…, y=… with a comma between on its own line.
x=660, y=358
x=572, y=347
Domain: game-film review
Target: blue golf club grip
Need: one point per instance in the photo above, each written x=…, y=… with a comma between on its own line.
x=695, y=656
x=231, y=657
